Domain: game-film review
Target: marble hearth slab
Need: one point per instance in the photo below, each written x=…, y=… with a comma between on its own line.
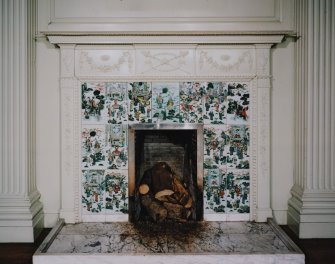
x=203, y=242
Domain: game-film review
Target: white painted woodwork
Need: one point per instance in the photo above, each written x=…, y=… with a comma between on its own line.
x=282, y=127
x=159, y=16
x=21, y=216
x=312, y=206
x=47, y=129
x=263, y=132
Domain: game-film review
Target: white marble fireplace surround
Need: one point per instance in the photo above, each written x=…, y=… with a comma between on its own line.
x=166, y=58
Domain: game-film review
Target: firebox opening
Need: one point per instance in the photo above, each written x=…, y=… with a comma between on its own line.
x=166, y=183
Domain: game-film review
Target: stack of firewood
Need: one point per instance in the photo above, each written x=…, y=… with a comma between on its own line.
x=163, y=195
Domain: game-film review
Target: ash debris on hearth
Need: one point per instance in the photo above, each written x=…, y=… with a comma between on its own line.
x=168, y=227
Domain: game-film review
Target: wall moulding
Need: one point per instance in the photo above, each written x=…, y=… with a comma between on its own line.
x=164, y=60
x=152, y=62
x=181, y=38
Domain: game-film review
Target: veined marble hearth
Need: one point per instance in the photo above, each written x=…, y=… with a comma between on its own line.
x=201, y=242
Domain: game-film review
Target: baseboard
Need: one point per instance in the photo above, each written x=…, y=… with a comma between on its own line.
x=280, y=216
x=50, y=218
x=263, y=214
x=68, y=215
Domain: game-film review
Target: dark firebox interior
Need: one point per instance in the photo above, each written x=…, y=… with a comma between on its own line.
x=178, y=149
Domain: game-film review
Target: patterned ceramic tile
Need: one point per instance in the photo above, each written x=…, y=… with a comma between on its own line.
x=238, y=191
x=165, y=102
x=216, y=139
x=191, y=102
x=238, y=149
x=116, y=191
x=92, y=192
x=107, y=108
x=93, y=102
x=214, y=190
x=117, y=147
x=238, y=103
x=92, y=147
x=139, y=101
x=215, y=103
x=116, y=102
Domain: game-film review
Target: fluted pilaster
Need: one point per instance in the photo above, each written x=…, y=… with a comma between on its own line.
x=312, y=206
x=20, y=209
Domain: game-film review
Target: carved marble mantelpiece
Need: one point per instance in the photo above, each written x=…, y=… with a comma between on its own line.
x=166, y=58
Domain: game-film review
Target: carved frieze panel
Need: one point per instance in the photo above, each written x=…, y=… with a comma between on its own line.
x=104, y=62
x=165, y=61
x=214, y=61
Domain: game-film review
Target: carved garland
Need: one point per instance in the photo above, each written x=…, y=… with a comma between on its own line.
x=208, y=60
x=125, y=58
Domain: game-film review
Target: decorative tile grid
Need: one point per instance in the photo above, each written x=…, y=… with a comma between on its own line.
x=226, y=148
x=139, y=101
x=191, y=102
x=226, y=164
x=104, y=148
x=116, y=103
x=107, y=108
x=165, y=102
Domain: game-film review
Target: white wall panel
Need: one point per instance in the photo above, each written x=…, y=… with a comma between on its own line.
x=47, y=129
x=282, y=113
x=166, y=16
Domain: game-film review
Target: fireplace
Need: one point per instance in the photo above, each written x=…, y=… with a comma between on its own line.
x=233, y=178
x=167, y=161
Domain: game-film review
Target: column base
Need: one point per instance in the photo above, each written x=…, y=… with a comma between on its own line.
x=311, y=214
x=21, y=219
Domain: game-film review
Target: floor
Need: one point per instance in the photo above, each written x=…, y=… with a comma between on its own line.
x=317, y=251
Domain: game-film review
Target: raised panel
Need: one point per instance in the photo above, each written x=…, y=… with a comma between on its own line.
x=162, y=61
x=218, y=61
x=213, y=10
x=158, y=16
x=104, y=62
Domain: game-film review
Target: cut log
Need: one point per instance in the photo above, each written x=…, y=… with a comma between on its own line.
x=189, y=203
x=154, y=208
x=144, y=189
x=163, y=193
x=176, y=211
